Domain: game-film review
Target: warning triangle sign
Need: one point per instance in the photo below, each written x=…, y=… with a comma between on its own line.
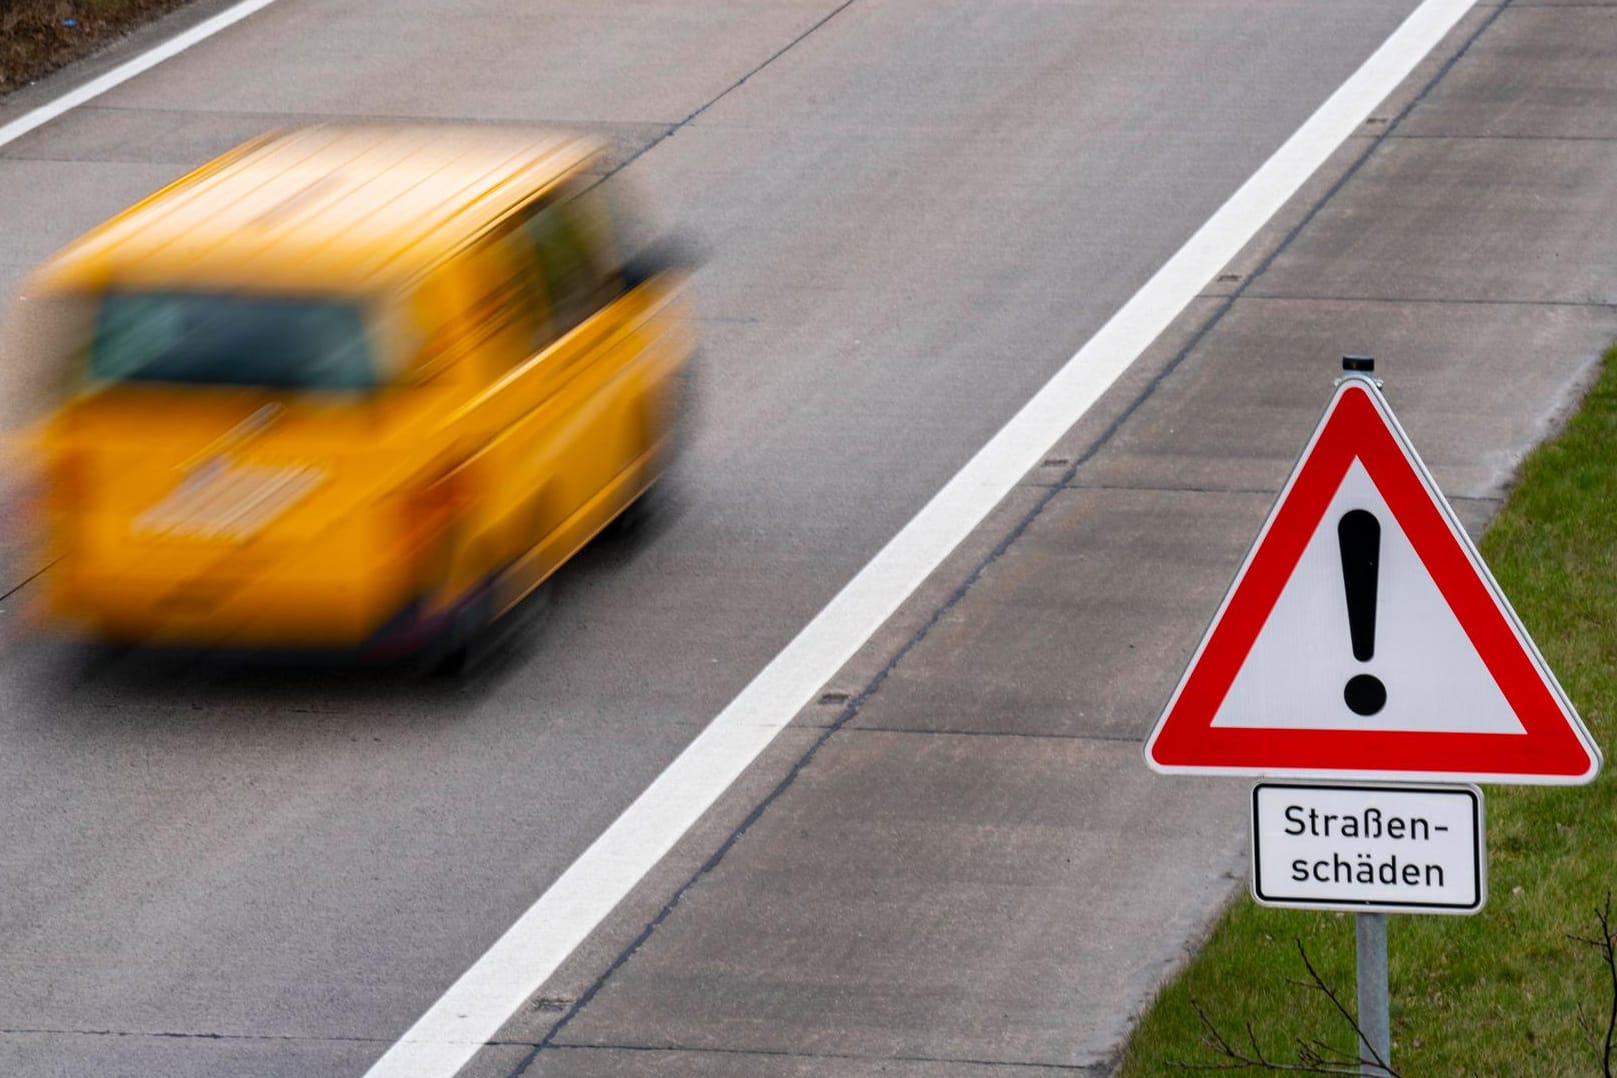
x=1363, y=637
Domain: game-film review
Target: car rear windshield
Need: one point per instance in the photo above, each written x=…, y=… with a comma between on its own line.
x=215, y=339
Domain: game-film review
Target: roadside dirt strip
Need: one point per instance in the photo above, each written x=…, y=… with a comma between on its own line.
x=39, y=36
x=937, y=877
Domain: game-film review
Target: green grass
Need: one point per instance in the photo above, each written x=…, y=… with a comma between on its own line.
x=1497, y=993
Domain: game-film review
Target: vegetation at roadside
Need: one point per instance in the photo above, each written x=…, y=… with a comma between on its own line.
x=1511, y=990
x=39, y=36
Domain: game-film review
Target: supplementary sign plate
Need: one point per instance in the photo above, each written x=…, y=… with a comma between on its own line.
x=1382, y=849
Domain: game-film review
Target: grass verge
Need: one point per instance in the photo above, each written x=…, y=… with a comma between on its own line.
x=1501, y=992
x=39, y=36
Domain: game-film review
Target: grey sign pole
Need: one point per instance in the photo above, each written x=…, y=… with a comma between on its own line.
x=1370, y=931
x=1376, y=1035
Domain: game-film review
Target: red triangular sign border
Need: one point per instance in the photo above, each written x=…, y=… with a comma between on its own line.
x=1554, y=747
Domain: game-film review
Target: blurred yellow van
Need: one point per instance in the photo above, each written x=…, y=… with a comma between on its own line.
x=353, y=387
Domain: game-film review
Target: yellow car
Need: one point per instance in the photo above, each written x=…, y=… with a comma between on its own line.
x=351, y=387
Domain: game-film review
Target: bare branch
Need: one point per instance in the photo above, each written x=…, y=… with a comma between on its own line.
x=1236, y=1059
x=1313, y=1056
x=1587, y=1024
x=1606, y=944
x=1360, y=1039
x=1608, y=952
x=1324, y=1055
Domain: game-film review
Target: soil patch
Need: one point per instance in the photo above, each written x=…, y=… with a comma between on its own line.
x=39, y=36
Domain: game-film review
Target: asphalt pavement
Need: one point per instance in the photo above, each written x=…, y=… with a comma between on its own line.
x=956, y=863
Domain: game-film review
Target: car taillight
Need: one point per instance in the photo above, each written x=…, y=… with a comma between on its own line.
x=429, y=507
x=67, y=483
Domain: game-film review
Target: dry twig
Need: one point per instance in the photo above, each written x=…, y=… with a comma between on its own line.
x=1606, y=944
x=1313, y=1057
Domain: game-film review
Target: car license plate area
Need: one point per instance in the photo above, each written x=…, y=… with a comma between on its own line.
x=228, y=501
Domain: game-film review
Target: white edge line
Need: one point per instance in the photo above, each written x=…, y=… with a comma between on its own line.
x=474, y=1008
x=127, y=70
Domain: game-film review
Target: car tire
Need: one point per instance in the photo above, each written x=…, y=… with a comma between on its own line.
x=452, y=653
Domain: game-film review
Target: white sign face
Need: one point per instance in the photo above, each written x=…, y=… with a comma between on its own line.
x=1430, y=674
x=1394, y=849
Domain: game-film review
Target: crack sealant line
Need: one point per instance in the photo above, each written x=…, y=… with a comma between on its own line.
x=999, y=1066
x=1429, y=301
x=280, y=1038
x=473, y=1008
x=127, y=70
x=27, y=580
x=696, y=113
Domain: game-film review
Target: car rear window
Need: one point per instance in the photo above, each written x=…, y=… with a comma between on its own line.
x=215, y=339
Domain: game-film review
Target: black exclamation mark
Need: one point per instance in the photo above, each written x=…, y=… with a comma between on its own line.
x=1359, y=534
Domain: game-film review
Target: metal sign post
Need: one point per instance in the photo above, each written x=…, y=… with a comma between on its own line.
x=1375, y=1031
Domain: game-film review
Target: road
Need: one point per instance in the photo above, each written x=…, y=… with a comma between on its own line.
x=914, y=214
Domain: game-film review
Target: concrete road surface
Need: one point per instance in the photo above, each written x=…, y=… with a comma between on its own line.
x=915, y=213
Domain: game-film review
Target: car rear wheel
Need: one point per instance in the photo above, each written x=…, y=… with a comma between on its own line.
x=453, y=649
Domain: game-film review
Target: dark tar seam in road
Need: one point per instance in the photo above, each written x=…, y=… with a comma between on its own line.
x=727, y=91
x=1161, y=488
x=852, y=708
x=172, y=1035
x=1096, y=1069
x=1509, y=138
x=1012, y=735
x=1433, y=301
x=27, y=580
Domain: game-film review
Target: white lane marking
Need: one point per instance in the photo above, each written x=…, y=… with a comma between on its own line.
x=463, y=1019
x=127, y=70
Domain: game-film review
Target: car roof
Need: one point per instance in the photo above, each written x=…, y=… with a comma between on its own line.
x=325, y=209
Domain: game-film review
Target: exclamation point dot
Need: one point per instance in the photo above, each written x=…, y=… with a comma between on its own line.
x=1365, y=694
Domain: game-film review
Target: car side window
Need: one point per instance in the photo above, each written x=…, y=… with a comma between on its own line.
x=575, y=268
x=505, y=305
x=563, y=264
x=547, y=268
